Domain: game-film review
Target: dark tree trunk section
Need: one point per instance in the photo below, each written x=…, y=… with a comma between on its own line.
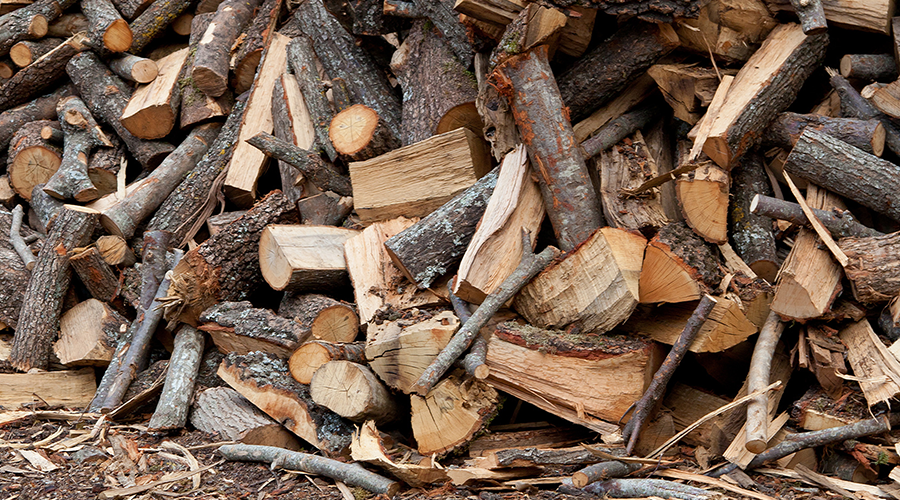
x=543, y=123
x=869, y=67
x=618, y=129
x=341, y=57
x=310, y=164
x=42, y=108
x=811, y=15
x=107, y=30
x=131, y=9
x=241, y=328
x=106, y=95
x=867, y=135
x=654, y=11
x=154, y=20
x=45, y=208
x=848, y=171
x=324, y=209
x=446, y=20
x=29, y=22
x=226, y=266
x=181, y=210
x=211, y=62
x=14, y=277
x=435, y=245
x=197, y=107
x=873, y=271
x=38, y=322
x=840, y=223
x=96, y=275
x=26, y=52
x=255, y=40
x=40, y=75
x=752, y=234
x=601, y=73
x=301, y=58
x=854, y=105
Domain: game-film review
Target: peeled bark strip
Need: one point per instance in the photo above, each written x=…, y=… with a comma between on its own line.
x=106, y=28
x=768, y=83
x=601, y=73
x=868, y=135
x=144, y=197
x=175, y=400
x=751, y=234
x=678, y=266
x=310, y=164
x=26, y=52
x=106, y=95
x=197, y=107
x=226, y=266
x=438, y=93
x=252, y=43
x=352, y=474
x=42, y=108
x=435, y=245
x=81, y=135
x=32, y=159
x=154, y=20
x=211, y=63
x=134, y=68
x=301, y=57
x=96, y=275
x=240, y=328
x=304, y=362
x=846, y=170
x=40, y=75
x=544, y=127
x=342, y=58
x=39, y=319
x=352, y=391
x=840, y=223
x=872, y=270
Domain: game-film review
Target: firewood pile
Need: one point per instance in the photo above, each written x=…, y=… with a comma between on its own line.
x=362, y=228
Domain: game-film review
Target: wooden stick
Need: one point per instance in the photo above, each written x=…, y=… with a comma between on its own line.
x=640, y=488
x=16, y=240
x=757, y=379
x=178, y=392
x=352, y=474
x=603, y=471
x=662, y=376
x=309, y=163
x=474, y=362
x=528, y=268
x=816, y=223
x=301, y=57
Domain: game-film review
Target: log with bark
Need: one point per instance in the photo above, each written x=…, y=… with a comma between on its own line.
x=32, y=159
x=42, y=74
x=240, y=328
x=82, y=134
x=301, y=58
x=678, y=266
x=871, y=268
x=211, y=62
x=840, y=223
x=107, y=31
x=134, y=68
x=152, y=111
x=196, y=106
x=750, y=234
x=178, y=392
x=251, y=44
x=304, y=362
x=320, y=172
x=27, y=51
x=224, y=412
x=88, y=334
x=153, y=21
x=42, y=108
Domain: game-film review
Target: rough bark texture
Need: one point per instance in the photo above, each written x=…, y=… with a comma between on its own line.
x=869, y=67
x=67, y=25
x=32, y=160
x=26, y=51
x=301, y=57
x=253, y=41
x=14, y=277
x=310, y=164
x=840, y=223
x=134, y=68
x=854, y=105
x=618, y=129
x=106, y=28
x=292, y=183
x=38, y=322
x=131, y=9
x=240, y=328
x=325, y=318
x=154, y=20
x=324, y=209
x=873, y=268
x=211, y=62
x=543, y=123
x=96, y=275
x=786, y=129
x=750, y=234
x=40, y=75
x=601, y=73
x=81, y=135
x=106, y=95
x=29, y=22
x=848, y=171
x=42, y=108
x=197, y=107
x=175, y=400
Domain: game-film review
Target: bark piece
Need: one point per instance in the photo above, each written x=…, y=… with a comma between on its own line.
x=301, y=57
x=106, y=28
x=152, y=110
x=26, y=51
x=569, y=198
x=106, y=96
x=39, y=319
x=153, y=21
x=223, y=411
x=304, y=258
x=871, y=269
x=197, y=107
x=32, y=159
x=69, y=388
x=211, y=63
x=605, y=70
x=310, y=164
x=247, y=162
x=627, y=166
x=252, y=43
x=703, y=196
x=262, y=378
x=40, y=75
x=751, y=234
x=459, y=156
x=352, y=391
x=869, y=67
x=310, y=356
x=868, y=135
x=324, y=209
x=240, y=328
x=767, y=84
x=82, y=134
x=678, y=266
x=88, y=334
x=326, y=318
x=115, y=251
x=96, y=275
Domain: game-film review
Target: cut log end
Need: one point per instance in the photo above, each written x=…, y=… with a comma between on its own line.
x=756, y=446
x=118, y=36
x=662, y=280
x=144, y=71
x=463, y=116
x=353, y=129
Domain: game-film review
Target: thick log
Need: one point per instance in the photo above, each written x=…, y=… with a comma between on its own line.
x=544, y=127
x=627, y=166
x=211, y=62
x=147, y=194
x=310, y=164
x=301, y=57
x=435, y=245
x=304, y=258
x=32, y=159
x=785, y=131
x=252, y=42
x=341, y=57
x=29, y=22
x=26, y=51
x=263, y=379
x=107, y=30
x=352, y=391
x=226, y=266
x=82, y=134
x=325, y=318
x=153, y=21
x=106, y=95
x=184, y=210
x=840, y=223
x=240, y=328
x=42, y=108
x=869, y=67
x=88, y=334
x=853, y=105
x=45, y=209
x=872, y=268
x=608, y=68
x=197, y=107
x=224, y=412
x=96, y=275
x=324, y=209
x=616, y=130
x=14, y=277
x=39, y=319
x=751, y=234
x=153, y=108
x=40, y=75
x=304, y=362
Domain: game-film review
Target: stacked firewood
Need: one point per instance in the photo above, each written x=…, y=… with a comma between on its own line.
x=688, y=199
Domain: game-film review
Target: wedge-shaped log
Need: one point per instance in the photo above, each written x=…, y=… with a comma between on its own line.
x=873, y=268
x=304, y=258
x=687, y=88
x=767, y=84
x=70, y=388
x=415, y=180
x=263, y=379
x=678, y=266
x=866, y=15
x=587, y=288
x=88, y=333
x=153, y=109
x=703, y=197
x=240, y=328
x=224, y=412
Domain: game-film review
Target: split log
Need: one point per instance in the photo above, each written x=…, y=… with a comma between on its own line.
x=147, y=194
x=175, y=400
x=301, y=57
x=69, y=388
x=499, y=124
x=224, y=412
x=439, y=94
x=293, y=124
x=614, y=110
x=732, y=31
x=459, y=156
x=240, y=328
x=42, y=108
x=867, y=135
x=96, y=275
x=304, y=258
x=107, y=30
x=876, y=366
x=608, y=68
x=751, y=234
x=341, y=57
x=323, y=174
x=134, y=68
x=226, y=267
x=182, y=212
x=27, y=51
x=872, y=267
x=360, y=133
x=767, y=84
x=325, y=318
x=247, y=162
x=352, y=391
x=211, y=63
x=678, y=266
x=840, y=223
x=197, y=107
x=153, y=108
x=88, y=334
x=627, y=165
x=32, y=159
x=581, y=380
x=42, y=74
x=887, y=99
x=369, y=445
x=588, y=287
x=537, y=105
x=310, y=356
x=82, y=134
x=263, y=379
x=869, y=67
x=251, y=44
x=687, y=88
x=106, y=95
x=324, y=209
x=38, y=322
x=400, y=351
x=872, y=15
x=67, y=25
x=153, y=21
